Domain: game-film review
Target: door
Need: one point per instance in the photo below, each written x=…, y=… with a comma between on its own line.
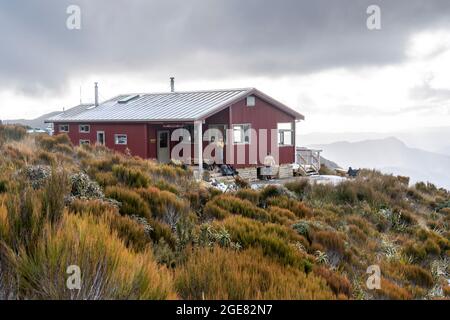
x=163, y=146
x=101, y=137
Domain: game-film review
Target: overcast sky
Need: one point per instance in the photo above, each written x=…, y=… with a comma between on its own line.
x=318, y=56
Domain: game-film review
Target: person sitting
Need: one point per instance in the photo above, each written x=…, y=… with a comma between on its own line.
x=270, y=164
x=352, y=172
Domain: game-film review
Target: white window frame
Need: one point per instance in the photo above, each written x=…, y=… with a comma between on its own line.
x=244, y=133
x=281, y=132
x=116, y=139
x=251, y=101
x=84, y=125
x=85, y=141
x=63, y=125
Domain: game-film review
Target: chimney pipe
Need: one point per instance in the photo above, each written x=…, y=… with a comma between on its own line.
x=96, y=94
x=172, y=84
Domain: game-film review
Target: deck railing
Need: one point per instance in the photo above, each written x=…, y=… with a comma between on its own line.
x=308, y=159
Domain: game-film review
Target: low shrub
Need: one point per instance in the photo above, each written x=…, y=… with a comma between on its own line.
x=53, y=197
x=243, y=207
x=83, y=187
x=301, y=187
x=46, y=158
x=131, y=177
x=227, y=274
x=110, y=270
x=164, y=205
x=131, y=202
x=332, y=241
x=53, y=143
x=339, y=284
x=390, y=290
x=94, y=207
x=213, y=211
x=432, y=248
x=105, y=179
x=281, y=216
x=357, y=234
x=161, y=231
x=12, y=132
x=418, y=275
x=248, y=194
x=270, y=191
x=273, y=239
x=297, y=207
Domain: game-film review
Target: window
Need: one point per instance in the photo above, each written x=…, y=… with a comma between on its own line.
x=85, y=128
x=216, y=132
x=251, y=101
x=241, y=133
x=163, y=139
x=101, y=137
x=285, y=134
x=120, y=139
x=85, y=142
x=63, y=128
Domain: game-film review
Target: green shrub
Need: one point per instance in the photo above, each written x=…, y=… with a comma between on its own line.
x=109, y=269
x=274, y=240
x=93, y=207
x=54, y=192
x=213, y=211
x=270, y=191
x=281, y=216
x=12, y=132
x=297, y=207
x=131, y=177
x=301, y=187
x=226, y=274
x=248, y=194
x=243, y=207
x=163, y=204
x=53, y=143
x=105, y=179
x=131, y=201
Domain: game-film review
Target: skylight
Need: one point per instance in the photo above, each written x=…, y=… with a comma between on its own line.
x=128, y=98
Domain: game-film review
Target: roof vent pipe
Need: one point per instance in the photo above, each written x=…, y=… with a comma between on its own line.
x=96, y=94
x=172, y=84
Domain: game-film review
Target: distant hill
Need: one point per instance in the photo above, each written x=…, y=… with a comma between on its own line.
x=37, y=123
x=391, y=155
x=429, y=139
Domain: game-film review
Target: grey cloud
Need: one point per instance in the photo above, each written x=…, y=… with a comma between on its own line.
x=201, y=38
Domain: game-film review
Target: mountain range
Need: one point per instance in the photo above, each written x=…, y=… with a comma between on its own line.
x=390, y=155
x=435, y=139
x=37, y=123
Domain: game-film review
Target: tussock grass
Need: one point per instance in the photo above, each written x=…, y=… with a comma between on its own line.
x=224, y=274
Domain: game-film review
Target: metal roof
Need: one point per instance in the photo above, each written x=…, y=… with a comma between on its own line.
x=171, y=106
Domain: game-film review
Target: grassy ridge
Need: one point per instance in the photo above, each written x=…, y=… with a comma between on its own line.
x=141, y=230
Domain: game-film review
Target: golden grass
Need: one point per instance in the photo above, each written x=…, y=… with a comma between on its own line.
x=109, y=269
x=225, y=274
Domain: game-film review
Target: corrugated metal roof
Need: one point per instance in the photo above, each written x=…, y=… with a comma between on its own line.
x=172, y=106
